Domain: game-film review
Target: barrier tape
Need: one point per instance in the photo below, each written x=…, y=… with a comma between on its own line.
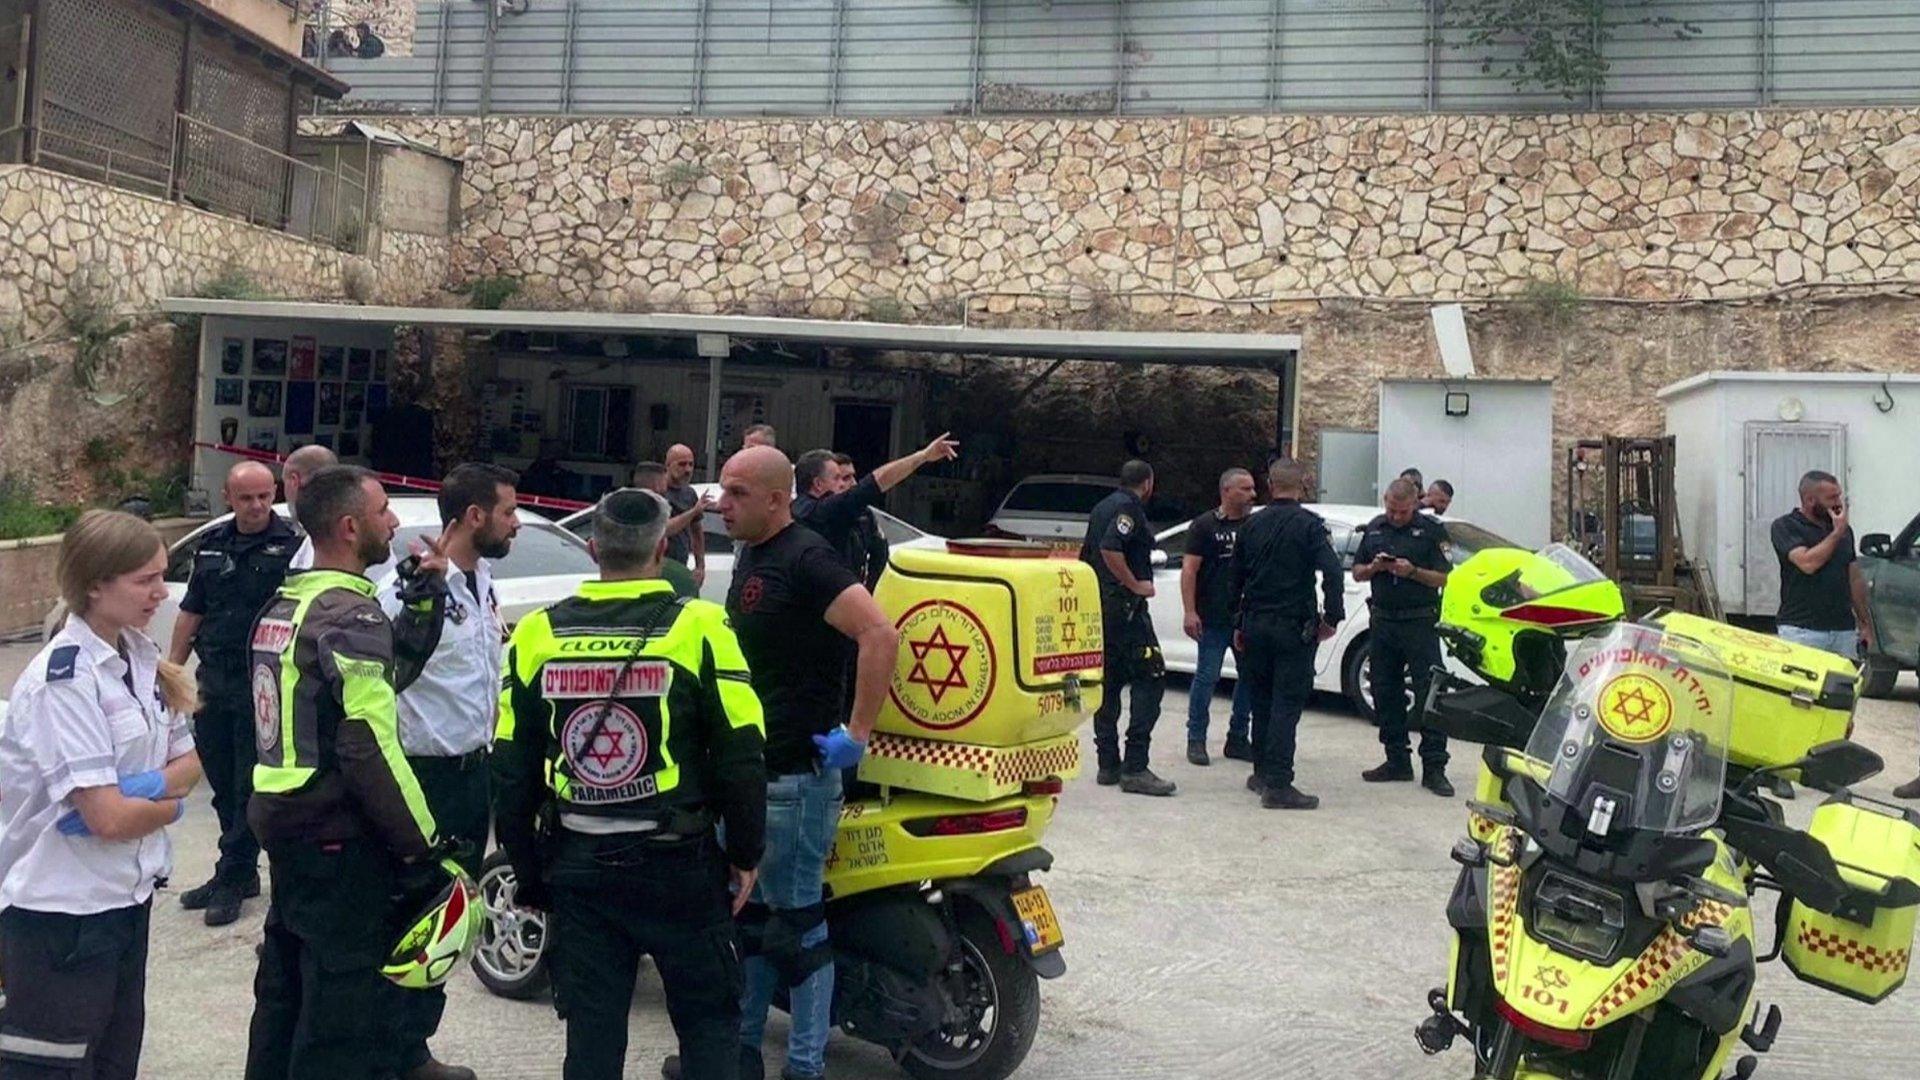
x=394, y=479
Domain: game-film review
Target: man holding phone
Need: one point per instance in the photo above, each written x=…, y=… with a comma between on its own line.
x=1403, y=556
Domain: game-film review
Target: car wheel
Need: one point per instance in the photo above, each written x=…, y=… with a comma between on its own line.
x=1877, y=677
x=1356, y=681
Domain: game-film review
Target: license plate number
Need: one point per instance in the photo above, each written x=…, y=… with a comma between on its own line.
x=1037, y=920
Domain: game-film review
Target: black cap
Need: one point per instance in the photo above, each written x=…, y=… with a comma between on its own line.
x=633, y=507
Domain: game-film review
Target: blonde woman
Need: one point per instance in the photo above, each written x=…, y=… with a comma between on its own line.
x=95, y=762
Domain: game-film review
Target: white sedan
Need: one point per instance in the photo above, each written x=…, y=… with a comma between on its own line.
x=1341, y=666
x=546, y=565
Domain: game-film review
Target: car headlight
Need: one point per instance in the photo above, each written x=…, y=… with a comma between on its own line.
x=1585, y=919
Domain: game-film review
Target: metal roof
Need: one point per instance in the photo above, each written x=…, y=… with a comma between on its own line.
x=1209, y=349
x=1785, y=378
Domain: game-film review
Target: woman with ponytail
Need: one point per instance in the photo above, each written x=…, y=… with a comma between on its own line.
x=95, y=762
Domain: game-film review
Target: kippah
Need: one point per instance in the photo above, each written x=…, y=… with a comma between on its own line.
x=633, y=507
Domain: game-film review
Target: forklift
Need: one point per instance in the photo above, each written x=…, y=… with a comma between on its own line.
x=1622, y=515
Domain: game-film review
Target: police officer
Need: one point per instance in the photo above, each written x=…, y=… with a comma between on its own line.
x=447, y=716
x=1279, y=626
x=1119, y=547
x=1403, y=556
x=334, y=802
x=236, y=567
x=96, y=759
x=607, y=810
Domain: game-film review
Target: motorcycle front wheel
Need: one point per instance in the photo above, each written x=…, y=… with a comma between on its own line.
x=511, y=960
x=993, y=1011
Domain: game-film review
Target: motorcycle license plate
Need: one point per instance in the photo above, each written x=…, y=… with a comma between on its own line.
x=1037, y=919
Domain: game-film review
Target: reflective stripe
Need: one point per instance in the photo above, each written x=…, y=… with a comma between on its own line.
x=607, y=826
x=42, y=1048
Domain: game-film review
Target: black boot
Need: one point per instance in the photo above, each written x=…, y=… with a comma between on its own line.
x=1908, y=790
x=1197, y=754
x=223, y=905
x=1435, y=780
x=1288, y=798
x=1238, y=748
x=752, y=1066
x=1393, y=770
x=1108, y=775
x=196, y=899
x=1256, y=785
x=1145, y=782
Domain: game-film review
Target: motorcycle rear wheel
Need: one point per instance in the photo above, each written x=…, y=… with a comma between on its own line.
x=996, y=1012
x=511, y=960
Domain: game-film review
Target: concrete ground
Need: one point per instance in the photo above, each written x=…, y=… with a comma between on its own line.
x=1205, y=938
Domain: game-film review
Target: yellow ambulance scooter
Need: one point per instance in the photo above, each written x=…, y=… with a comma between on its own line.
x=939, y=934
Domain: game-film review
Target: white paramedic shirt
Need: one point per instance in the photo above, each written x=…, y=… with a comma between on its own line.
x=74, y=722
x=451, y=708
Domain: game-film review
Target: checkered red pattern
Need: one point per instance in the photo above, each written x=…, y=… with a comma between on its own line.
x=1668, y=957
x=934, y=752
x=1504, y=884
x=1037, y=763
x=1857, y=953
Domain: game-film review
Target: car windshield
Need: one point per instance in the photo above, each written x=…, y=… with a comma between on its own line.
x=1055, y=497
x=1636, y=731
x=540, y=549
x=1468, y=540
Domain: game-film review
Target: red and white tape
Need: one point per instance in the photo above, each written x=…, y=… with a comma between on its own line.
x=394, y=479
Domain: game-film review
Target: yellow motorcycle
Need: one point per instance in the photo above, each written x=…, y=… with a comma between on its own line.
x=940, y=936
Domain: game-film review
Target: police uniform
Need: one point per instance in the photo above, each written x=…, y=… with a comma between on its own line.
x=447, y=718
x=234, y=573
x=74, y=909
x=628, y=728
x=336, y=806
x=1133, y=659
x=1281, y=550
x=1404, y=643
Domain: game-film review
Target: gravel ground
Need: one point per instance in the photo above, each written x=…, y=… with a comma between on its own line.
x=1205, y=938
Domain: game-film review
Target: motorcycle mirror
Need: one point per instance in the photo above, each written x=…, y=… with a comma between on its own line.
x=1499, y=815
x=1469, y=853
x=1714, y=941
x=1838, y=763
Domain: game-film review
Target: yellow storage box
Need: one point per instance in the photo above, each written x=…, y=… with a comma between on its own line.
x=1863, y=949
x=1000, y=664
x=1787, y=698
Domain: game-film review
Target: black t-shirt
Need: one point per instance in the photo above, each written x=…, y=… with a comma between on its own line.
x=1822, y=600
x=1213, y=539
x=837, y=517
x=778, y=601
x=1118, y=523
x=1423, y=542
x=234, y=574
x=681, y=498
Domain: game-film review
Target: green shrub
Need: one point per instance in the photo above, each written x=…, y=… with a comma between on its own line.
x=23, y=515
x=492, y=292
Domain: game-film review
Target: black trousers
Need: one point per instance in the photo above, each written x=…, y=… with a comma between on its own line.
x=616, y=898
x=76, y=994
x=223, y=734
x=1132, y=663
x=1405, y=650
x=1279, y=670
x=456, y=791
x=318, y=987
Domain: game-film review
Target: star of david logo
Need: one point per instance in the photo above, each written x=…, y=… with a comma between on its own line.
x=953, y=679
x=1551, y=977
x=606, y=747
x=1066, y=578
x=1634, y=707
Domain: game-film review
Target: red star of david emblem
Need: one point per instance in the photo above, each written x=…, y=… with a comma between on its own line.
x=1066, y=579
x=953, y=680
x=1634, y=707
x=606, y=747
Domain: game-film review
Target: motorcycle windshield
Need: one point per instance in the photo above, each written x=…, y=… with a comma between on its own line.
x=1636, y=732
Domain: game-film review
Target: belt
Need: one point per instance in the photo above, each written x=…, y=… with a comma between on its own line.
x=609, y=826
x=666, y=826
x=469, y=760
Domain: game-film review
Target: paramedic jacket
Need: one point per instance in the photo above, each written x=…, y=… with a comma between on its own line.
x=324, y=677
x=679, y=742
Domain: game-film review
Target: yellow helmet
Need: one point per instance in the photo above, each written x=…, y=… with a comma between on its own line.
x=442, y=938
x=1506, y=613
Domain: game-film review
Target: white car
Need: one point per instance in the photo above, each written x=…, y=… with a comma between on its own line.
x=720, y=546
x=545, y=566
x=1341, y=667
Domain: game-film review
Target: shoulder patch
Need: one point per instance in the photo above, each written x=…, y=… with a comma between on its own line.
x=1123, y=523
x=62, y=662
x=371, y=618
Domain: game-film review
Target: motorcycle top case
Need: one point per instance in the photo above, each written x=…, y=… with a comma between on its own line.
x=1000, y=664
x=1863, y=950
x=1787, y=698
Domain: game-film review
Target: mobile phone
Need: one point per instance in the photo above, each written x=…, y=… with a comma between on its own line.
x=1383, y=557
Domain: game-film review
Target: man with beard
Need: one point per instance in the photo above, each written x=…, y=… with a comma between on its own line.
x=447, y=717
x=334, y=804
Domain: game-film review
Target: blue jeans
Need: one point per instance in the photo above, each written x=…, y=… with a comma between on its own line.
x=803, y=813
x=1838, y=642
x=1214, y=643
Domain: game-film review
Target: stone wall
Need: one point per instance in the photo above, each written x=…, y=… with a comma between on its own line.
x=63, y=238
x=836, y=216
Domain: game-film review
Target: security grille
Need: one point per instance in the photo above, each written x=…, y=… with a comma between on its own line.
x=231, y=159
x=107, y=82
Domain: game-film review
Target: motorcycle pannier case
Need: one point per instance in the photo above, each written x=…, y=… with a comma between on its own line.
x=1862, y=950
x=1787, y=698
x=1000, y=664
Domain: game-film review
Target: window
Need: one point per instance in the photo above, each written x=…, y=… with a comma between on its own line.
x=892, y=529
x=1055, y=497
x=1469, y=539
x=180, y=558
x=600, y=422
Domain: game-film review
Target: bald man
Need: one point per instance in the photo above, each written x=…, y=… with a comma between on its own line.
x=236, y=567
x=689, y=541
x=299, y=465
x=799, y=611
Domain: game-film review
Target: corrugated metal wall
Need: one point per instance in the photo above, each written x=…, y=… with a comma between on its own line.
x=925, y=57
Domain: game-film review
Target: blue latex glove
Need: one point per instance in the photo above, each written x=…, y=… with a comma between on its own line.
x=839, y=749
x=72, y=824
x=147, y=785
x=179, y=811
